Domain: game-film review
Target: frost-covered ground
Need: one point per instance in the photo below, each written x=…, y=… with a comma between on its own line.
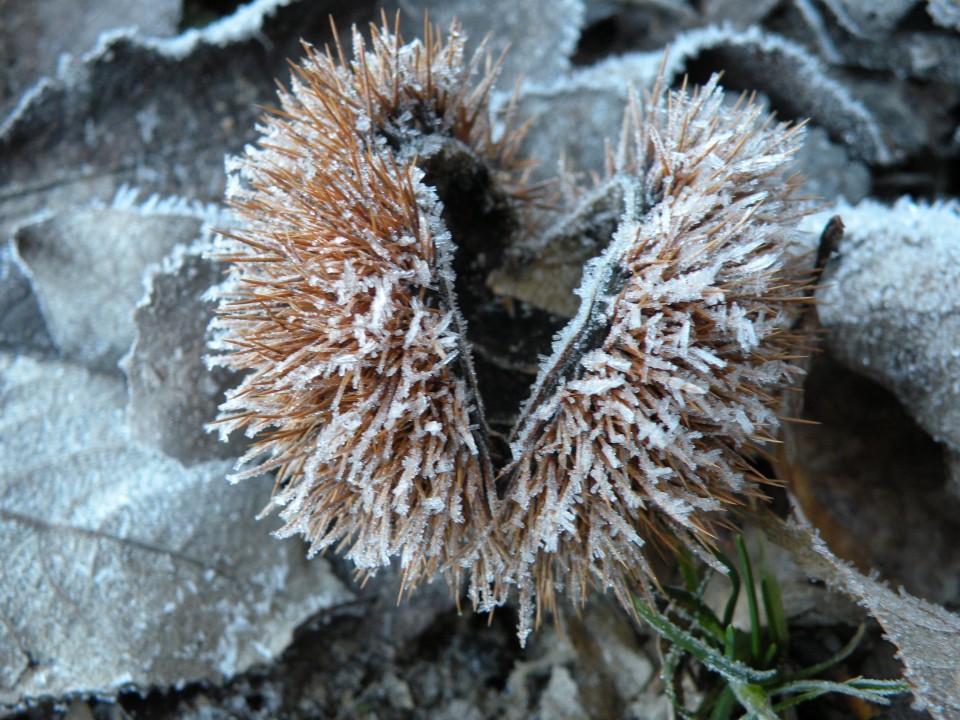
x=136, y=580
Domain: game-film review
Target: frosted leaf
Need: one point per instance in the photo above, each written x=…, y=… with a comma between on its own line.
x=945, y=13
x=171, y=394
x=830, y=170
x=908, y=55
x=87, y=268
x=90, y=522
x=577, y=112
x=927, y=636
x=41, y=36
x=869, y=18
x=79, y=133
x=21, y=322
x=796, y=82
x=541, y=34
x=892, y=292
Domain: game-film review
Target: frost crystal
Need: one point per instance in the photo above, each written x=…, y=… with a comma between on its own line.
x=669, y=376
x=361, y=392
x=339, y=303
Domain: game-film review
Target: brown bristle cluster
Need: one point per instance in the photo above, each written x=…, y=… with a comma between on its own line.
x=342, y=304
x=672, y=371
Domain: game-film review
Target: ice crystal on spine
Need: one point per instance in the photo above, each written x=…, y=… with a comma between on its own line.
x=339, y=302
x=639, y=424
x=360, y=389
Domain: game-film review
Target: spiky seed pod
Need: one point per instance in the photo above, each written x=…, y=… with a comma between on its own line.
x=361, y=391
x=339, y=305
x=669, y=376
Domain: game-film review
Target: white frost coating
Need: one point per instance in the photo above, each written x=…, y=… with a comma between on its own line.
x=825, y=100
x=32, y=95
x=927, y=636
x=246, y=22
x=360, y=395
x=869, y=18
x=892, y=303
x=126, y=198
x=663, y=378
x=900, y=246
x=641, y=69
x=88, y=267
x=945, y=13
x=112, y=518
x=614, y=75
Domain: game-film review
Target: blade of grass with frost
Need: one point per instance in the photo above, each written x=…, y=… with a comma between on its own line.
x=732, y=670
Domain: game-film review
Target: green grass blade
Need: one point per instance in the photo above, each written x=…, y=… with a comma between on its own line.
x=875, y=691
x=770, y=654
x=704, y=615
x=730, y=642
x=731, y=670
x=688, y=569
x=751, y=598
x=754, y=700
x=734, y=577
x=724, y=706
x=773, y=606
x=668, y=671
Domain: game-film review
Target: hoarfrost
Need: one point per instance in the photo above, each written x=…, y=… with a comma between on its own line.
x=541, y=34
x=796, y=82
x=687, y=251
x=171, y=393
x=41, y=37
x=21, y=320
x=109, y=519
x=87, y=270
x=80, y=134
x=892, y=307
x=869, y=18
x=378, y=314
x=945, y=13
